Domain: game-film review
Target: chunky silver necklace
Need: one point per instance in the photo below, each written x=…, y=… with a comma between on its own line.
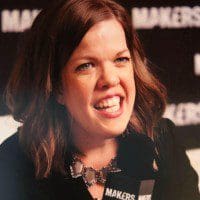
x=90, y=175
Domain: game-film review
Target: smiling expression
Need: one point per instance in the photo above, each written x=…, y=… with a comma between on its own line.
x=98, y=82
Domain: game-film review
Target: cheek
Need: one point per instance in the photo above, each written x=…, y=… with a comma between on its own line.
x=128, y=79
x=129, y=83
x=77, y=93
x=131, y=90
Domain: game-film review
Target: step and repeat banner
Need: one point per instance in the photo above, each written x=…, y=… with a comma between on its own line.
x=170, y=34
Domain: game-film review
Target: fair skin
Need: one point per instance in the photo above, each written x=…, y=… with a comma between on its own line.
x=99, y=92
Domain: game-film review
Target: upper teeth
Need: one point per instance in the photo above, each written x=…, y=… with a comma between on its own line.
x=109, y=102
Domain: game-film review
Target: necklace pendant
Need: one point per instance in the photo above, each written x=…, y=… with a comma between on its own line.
x=90, y=175
x=101, y=176
x=76, y=168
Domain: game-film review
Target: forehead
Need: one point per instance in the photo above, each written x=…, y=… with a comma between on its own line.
x=106, y=35
x=106, y=28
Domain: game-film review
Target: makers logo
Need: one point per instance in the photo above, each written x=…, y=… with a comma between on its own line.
x=117, y=194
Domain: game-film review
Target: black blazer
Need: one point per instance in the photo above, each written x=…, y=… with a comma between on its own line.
x=135, y=157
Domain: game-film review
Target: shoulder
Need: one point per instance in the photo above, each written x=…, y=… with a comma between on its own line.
x=17, y=177
x=164, y=126
x=166, y=147
x=10, y=149
x=164, y=138
x=14, y=163
x=138, y=139
x=137, y=143
x=12, y=157
x=136, y=154
x=15, y=170
x=9, y=145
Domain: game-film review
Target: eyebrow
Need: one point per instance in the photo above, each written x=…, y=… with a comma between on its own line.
x=123, y=51
x=89, y=57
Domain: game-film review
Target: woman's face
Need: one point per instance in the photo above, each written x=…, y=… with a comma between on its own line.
x=98, y=82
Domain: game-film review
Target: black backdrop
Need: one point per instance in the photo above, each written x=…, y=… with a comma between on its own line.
x=170, y=33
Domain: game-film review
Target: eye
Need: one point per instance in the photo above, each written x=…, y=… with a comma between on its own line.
x=122, y=59
x=84, y=67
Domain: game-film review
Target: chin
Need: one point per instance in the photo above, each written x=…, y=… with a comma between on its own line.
x=114, y=131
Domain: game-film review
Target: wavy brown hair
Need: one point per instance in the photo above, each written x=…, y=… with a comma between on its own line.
x=36, y=79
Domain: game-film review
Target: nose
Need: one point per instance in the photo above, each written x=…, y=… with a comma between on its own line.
x=108, y=77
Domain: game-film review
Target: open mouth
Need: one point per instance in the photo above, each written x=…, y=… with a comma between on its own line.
x=109, y=105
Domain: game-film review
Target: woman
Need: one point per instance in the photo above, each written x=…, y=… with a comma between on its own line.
x=84, y=94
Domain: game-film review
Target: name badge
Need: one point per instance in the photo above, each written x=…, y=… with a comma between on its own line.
x=122, y=187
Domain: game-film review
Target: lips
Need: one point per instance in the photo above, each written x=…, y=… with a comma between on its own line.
x=109, y=105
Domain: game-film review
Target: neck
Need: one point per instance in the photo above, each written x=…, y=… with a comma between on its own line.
x=95, y=152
